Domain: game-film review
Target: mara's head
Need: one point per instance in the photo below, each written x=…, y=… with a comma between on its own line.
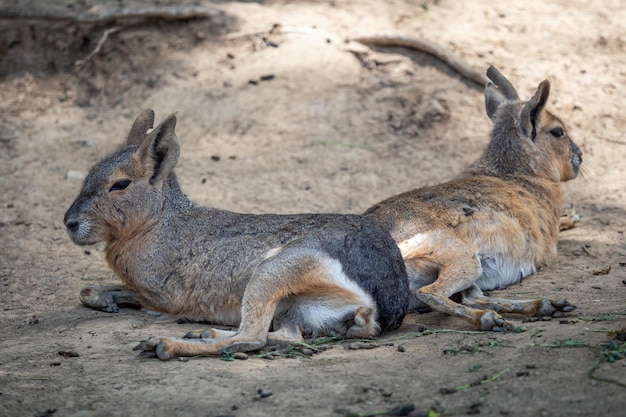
x=536, y=140
x=124, y=192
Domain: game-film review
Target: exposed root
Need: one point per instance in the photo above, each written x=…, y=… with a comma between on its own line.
x=430, y=48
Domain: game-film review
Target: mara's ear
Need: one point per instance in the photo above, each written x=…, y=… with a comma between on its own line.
x=497, y=91
x=493, y=99
x=532, y=109
x=504, y=85
x=142, y=123
x=160, y=149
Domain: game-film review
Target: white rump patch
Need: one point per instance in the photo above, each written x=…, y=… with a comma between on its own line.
x=407, y=247
x=317, y=312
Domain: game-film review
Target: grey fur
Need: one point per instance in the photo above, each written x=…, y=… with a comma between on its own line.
x=199, y=262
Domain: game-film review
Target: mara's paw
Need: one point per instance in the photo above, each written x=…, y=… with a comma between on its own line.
x=92, y=298
x=552, y=308
x=108, y=298
x=364, y=324
x=209, y=334
x=155, y=347
x=492, y=321
x=568, y=219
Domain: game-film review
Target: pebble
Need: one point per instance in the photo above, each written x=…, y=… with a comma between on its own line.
x=401, y=348
x=72, y=175
x=306, y=351
x=263, y=393
x=241, y=356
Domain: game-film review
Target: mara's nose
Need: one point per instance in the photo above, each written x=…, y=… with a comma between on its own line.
x=71, y=224
x=71, y=220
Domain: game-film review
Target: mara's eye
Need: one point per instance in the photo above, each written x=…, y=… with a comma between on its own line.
x=557, y=132
x=120, y=185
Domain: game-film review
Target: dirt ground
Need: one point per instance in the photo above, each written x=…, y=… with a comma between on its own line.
x=299, y=120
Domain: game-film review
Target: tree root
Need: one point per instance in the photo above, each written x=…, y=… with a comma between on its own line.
x=429, y=48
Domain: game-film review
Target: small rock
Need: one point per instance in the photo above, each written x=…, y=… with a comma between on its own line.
x=263, y=393
x=241, y=356
x=401, y=348
x=75, y=176
x=306, y=351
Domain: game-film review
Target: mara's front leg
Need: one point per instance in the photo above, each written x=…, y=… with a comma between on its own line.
x=109, y=298
x=539, y=307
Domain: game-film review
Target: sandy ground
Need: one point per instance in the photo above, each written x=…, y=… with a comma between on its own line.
x=301, y=121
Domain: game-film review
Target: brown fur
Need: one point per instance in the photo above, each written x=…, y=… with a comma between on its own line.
x=495, y=223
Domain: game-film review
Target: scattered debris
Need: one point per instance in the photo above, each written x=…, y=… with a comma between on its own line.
x=614, y=351
x=587, y=250
x=604, y=271
x=566, y=343
x=475, y=368
x=485, y=380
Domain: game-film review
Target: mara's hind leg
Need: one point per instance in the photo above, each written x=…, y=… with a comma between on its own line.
x=109, y=297
x=459, y=268
x=542, y=307
x=291, y=273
